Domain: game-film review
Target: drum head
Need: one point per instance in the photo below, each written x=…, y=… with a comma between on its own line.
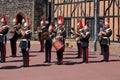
x=9, y=34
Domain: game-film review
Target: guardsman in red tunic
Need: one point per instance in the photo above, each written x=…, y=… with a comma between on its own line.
x=105, y=41
x=60, y=35
x=78, y=38
x=25, y=43
x=3, y=31
x=85, y=42
x=13, y=40
x=41, y=32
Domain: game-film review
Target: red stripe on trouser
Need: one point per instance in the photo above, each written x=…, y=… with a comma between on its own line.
x=64, y=45
x=87, y=53
x=61, y=57
x=108, y=52
x=27, y=58
x=4, y=50
x=42, y=45
x=80, y=51
x=50, y=54
x=15, y=47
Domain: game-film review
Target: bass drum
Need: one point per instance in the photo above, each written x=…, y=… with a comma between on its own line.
x=57, y=44
x=10, y=34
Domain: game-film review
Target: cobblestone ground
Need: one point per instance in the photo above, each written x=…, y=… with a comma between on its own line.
x=72, y=68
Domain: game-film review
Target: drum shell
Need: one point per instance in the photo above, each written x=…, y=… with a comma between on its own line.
x=57, y=44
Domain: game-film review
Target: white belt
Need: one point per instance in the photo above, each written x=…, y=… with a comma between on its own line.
x=1, y=34
x=105, y=37
x=23, y=39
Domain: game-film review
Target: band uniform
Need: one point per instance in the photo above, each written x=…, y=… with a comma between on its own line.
x=85, y=43
x=3, y=31
x=101, y=26
x=41, y=31
x=78, y=38
x=25, y=44
x=60, y=35
x=48, y=43
x=14, y=39
x=105, y=41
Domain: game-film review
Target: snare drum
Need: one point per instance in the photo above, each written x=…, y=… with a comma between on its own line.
x=57, y=44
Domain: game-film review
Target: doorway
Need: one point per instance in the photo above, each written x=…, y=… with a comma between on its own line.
x=19, y=18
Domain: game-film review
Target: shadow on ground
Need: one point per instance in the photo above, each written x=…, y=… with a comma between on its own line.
x=10, y=67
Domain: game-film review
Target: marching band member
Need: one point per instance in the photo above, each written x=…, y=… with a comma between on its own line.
x=60, y=35
x=3, y=31
x=100, y=36
x=64, y=35
x=13, y=40
x=78, y=37
x=25, y=44
x=48, y=43
x=105, y=41
x=40, y=32
x=85, y=42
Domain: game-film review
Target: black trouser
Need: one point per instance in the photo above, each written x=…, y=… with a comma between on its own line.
x=101, y=47
x=60, y=56
x=106, y=52
x=42, y=45
x=13, y=47
x=79, y=47
x=25, y=54
x=63, y=41
x=2, y=51
x=48, y=46
x=85, y=54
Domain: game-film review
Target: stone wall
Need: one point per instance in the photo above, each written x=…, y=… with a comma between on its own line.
x=32, y=9
x=12, y=7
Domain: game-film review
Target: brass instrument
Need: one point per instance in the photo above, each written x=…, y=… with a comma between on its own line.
x=77, y=34
x=42, y=35
x=100, y=36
